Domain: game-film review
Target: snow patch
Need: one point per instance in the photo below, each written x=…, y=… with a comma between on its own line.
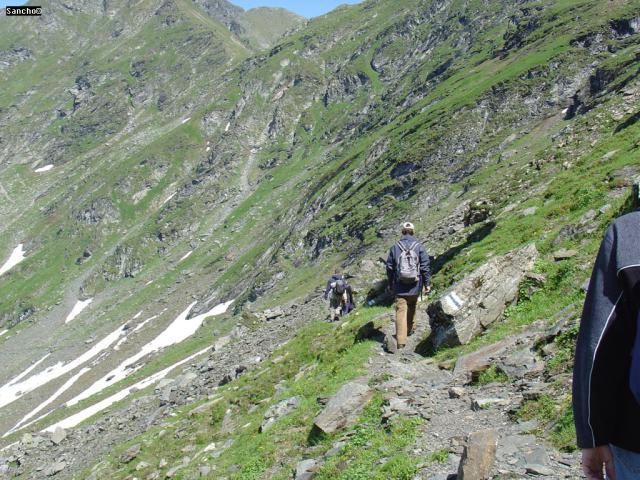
x=28, y=370
x=138, y=327
x=185, y=120
x=177, y=331
x=67, y=385
x=46, y=168
x=77, y=309
x=16, y=388
x=3, y=332
x=186, y=255
x=79, y=417
x=15, y=258
x=169, y=197
x=226, y=129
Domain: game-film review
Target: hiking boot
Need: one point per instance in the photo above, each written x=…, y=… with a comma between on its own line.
x=411, y=332
x=401, y=346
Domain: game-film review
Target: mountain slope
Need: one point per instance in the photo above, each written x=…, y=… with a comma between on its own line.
x=193, y=169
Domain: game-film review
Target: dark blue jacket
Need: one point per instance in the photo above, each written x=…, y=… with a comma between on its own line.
x=605, y=410
x=403, y=289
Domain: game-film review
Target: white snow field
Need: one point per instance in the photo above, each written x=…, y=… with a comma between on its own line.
x=67, y=385
x=18, y=387
x=15, y=258
x=75, y=419
x=77, y=309
x=185, y=256
x=46, y=168
x=180, y=329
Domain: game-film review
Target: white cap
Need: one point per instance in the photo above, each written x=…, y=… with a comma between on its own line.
x=408, y=226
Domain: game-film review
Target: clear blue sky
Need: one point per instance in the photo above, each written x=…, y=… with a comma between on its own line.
x=306, y=8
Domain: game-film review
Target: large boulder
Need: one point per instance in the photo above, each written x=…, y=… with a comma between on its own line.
x=477, y=301
x=478, y=456
x=344, y=407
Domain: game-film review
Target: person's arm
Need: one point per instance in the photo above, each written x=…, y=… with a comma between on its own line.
x=327, y=289
x=425, y=269
x=595, y=382
x=391, y=267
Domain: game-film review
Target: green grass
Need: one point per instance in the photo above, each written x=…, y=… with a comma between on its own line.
x=491, y=375
x=329, y=355
x=555, y=417
x=439, y=456
x=375, y=451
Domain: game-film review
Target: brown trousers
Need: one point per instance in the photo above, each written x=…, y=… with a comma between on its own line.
x=405, y=314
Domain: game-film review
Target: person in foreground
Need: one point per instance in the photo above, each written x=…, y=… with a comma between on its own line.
x=606, y=372
x=408, y=273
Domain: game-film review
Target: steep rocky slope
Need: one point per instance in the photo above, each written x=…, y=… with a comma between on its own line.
x=158, y=165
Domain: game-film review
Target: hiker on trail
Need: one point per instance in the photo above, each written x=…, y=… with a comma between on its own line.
x=339, y=295
x=606, y=375
x=408, y=274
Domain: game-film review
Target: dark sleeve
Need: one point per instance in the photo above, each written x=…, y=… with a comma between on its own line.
x=425, y=268
x=327, y=289
x=597, y=378
x=391, y=265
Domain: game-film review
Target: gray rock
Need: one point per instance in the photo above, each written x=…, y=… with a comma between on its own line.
x=389, y=343
x=529, y=211
x=456, y=392
x=344, y=407
x=483, y=403
x=479, y=299
x=564, y=254
x=280, y=409
x=186, y=379
x=58, y=435
x=55, y=468
x=534, y=469
x=478, y=456
x=204, y=471
x=521, y=363
x=470, y=365
x=131, y=453
x=477, y=212
x=306, y=469
x=270, y=314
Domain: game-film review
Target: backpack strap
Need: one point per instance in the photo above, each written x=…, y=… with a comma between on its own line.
x=402, y=247
x=413, y=245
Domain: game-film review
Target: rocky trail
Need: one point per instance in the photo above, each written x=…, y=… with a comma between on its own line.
x=469, y=430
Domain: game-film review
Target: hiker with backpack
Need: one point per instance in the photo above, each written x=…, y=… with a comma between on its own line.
x=338, y=293
x=408, y=275
x=606, y=375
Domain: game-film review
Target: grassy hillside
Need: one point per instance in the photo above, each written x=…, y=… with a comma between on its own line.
x=191, y=166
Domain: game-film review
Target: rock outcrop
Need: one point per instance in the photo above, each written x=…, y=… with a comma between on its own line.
x=477, y=301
